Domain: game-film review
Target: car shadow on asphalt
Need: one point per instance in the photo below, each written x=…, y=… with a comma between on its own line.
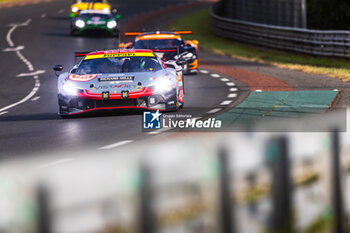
x=98, y=114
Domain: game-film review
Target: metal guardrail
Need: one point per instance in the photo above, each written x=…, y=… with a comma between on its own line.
x=312, y=42
x=265, y=182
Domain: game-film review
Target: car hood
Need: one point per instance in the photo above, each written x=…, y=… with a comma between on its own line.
x=115, y=83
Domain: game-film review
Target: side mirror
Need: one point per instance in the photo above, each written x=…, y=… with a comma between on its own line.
x=57, y=68
x=121, y=45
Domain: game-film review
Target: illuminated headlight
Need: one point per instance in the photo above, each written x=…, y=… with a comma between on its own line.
x=105, y=9
x=75, y=9
x=186, y=56
x=111, y=24
x=79, y=23
x=69, y=89
x=163, y=85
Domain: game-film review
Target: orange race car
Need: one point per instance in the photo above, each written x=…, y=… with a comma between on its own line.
x=89, y=4
x=168, y=46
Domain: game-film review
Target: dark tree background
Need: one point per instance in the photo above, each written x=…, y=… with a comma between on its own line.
x=328, y=14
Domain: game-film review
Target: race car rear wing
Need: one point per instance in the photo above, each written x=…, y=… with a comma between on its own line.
x=139, y=33
x=81, y=54
x=78, y=56
x=167, y=50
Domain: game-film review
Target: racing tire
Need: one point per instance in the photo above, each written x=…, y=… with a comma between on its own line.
x=62, y=114
x=115, y=34
x=73, y=33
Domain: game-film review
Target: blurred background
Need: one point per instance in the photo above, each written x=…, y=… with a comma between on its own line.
x=187, y=182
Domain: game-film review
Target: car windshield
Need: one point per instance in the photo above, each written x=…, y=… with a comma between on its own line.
x=94, y=16
x=157, y=44
x=118, y=65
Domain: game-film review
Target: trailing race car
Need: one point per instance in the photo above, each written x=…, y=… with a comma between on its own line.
x=116, y=79
x=168, y=46
x=89, y=4
x=94, y=20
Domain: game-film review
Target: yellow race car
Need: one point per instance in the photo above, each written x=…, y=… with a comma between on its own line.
x=89, y=4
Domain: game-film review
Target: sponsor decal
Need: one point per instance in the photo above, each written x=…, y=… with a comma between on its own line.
x=152, y=120
x=96, y=22
x=82, y=78
x=128, y=86
x=128, y=54
x=124, y=94
x=157, y=120
x=119, y=78
x=105, y=95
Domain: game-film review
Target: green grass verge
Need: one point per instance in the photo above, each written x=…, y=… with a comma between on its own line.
x=7, y=1
x=199, y=22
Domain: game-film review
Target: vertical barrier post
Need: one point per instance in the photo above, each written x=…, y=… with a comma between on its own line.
x=226, y=207
x=44, y=213
x=146, y=218
x=281, y=190
x=303, y=14
x=337, y=197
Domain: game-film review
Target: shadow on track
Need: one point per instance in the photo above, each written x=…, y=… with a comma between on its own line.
x=54, y=116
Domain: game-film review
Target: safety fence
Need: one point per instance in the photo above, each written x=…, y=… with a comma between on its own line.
x=286, y=13
x=241, y=182
x=312, y=42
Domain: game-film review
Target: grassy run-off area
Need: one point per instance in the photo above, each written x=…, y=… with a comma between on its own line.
x=199, y=22
x=7, y=1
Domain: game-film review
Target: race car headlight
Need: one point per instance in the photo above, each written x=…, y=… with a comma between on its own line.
x=75, y=9
x=111, y=24
x=162, y=85
x=105, y=9
x=69, y=89
x=79, y=23
x=188, y=55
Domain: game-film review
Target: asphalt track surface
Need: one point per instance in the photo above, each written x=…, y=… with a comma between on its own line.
x=33, y=37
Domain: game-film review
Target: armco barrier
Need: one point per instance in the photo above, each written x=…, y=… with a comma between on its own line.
x=238, y=182
x=312, y=42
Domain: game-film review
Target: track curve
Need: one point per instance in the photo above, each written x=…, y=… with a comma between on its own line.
x=28, y=119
